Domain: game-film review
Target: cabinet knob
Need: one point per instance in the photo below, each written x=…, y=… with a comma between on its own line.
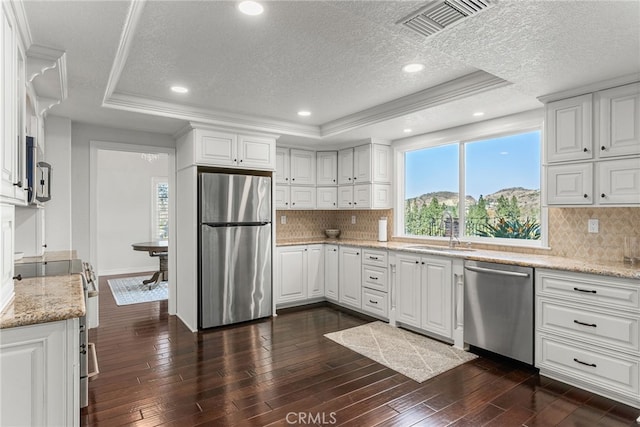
x=293, y=204
x=334, y=203
x=417, y=262
x=585, y=196
x=355, y=203
x=355, y=177
x=240, y=160
x=422, y=262
x=349, y=179
x=44, y=246
x=334, y=180
x=286, y=203
x=603, y=148
x=603, y=195
x=286, y=179
x=585, y=150
x=235, y=160
x=357, y=253
x=18, y=184
x=18, y=277
x=349, y=202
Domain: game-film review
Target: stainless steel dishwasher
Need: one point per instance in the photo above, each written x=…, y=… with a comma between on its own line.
x=498, y=309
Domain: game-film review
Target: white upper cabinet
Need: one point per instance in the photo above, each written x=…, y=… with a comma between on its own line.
x=619, y=182
x=282, y=166
x=327, y=197
x=362, y=164
x=208, y=147
x=282, y=196
x=327, y=167
x=570, y=184
x=345, y=166
x=568, y=129
x=619, y=121
x=303, y=167
x=303, y=197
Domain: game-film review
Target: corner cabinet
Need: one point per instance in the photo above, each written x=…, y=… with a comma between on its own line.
x=299, y=274
x=39, y=367
x=593, y=148
x=209, y=147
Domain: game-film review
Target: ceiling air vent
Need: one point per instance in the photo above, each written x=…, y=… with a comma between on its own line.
x=437, y=15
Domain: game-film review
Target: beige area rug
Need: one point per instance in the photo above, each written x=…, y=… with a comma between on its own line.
x=410, y=354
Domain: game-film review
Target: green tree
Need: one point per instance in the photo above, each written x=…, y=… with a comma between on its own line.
x=514, y=209
x=477, y=217
x=502, y=207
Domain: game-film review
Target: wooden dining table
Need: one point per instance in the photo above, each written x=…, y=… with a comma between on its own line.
x=155, y=248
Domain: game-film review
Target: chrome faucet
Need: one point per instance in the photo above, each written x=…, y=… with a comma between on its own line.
x=446, y=214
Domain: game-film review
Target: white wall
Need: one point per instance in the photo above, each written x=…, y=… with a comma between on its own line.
x=124, y=208
x=57, y=215
x=81, y=135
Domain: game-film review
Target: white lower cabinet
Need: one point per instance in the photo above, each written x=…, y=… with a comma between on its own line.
x=40, y=371
x=424, y=293
x=349, y=291
x=587, y=332
x=7, y=241
x=331, y=275
x=299, y=274
x=375, y=283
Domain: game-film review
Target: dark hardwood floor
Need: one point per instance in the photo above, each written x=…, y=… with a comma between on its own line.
x=282, y=371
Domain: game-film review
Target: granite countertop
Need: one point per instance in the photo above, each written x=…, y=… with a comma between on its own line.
x=50, y=256
x=614, y=269
x=44, y=299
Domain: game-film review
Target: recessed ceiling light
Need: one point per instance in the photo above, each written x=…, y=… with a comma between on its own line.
x=304, y=113
x=478, y=114
x=407, y=131
x=179, y=89
x=413, y=68
x=250, y=7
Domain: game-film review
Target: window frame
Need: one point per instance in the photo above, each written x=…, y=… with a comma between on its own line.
x=509, y=125
x=155, y=181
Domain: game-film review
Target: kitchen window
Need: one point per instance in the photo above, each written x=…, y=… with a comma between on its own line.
x=160, y=208
x=485, y=189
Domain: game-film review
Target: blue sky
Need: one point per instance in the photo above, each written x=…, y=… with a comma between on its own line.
x=492, y=164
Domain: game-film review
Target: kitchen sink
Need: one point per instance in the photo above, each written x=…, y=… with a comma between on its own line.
x=440, y=248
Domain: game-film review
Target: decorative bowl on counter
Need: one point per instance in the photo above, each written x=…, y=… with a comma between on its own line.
x=332, y=233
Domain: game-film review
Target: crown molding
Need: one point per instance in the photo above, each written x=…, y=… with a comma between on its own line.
x=462, y=87
x=209, y=117
x=124, y=47
x=594, y=87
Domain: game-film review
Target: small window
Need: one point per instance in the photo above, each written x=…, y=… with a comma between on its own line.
x=160, y=209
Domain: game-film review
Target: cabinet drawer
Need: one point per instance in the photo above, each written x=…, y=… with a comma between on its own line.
x=589, y=289
x=375, y=277
x=373, y=257
x=375, y=302
x=605, y=370
x=585, y=324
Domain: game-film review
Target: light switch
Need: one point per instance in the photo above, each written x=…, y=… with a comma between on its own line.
x=353, y=219
x=283, y=219
x=593, y=226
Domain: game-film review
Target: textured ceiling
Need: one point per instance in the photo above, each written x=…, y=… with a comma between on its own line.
x=335, y=58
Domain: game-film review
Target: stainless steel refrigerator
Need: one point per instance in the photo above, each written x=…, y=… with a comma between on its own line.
x=235, y=248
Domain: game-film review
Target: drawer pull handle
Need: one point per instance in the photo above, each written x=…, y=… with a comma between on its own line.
x=373, y=278
x=589, y=291
x=593, y=365
x=373, y=257
x=593, y=325
x=373, y=302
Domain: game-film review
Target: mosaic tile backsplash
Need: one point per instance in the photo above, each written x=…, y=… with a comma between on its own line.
x=568, y=236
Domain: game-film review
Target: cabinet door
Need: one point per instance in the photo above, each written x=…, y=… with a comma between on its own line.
x=381, y=196
x=345, y=196
x=345, y=166
x=350, y=277
x=407, y=286
x=570, y=184
x=362, y=196
x=282, y=196
x=436, y=286
x=303, y=167
x=331, y=276
x=568, y=129
x=362, y=164
x=7, y=230
x=8, y=113
x=291, y=279
x=256, y=152
x=618, y=181
x=619, y=121
x=382, y=171
x=282, y=166
x=315, y=271
x=216, y=148
x=327, y=197
x=327, y=167
x=39, y=366
x=303, y=197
